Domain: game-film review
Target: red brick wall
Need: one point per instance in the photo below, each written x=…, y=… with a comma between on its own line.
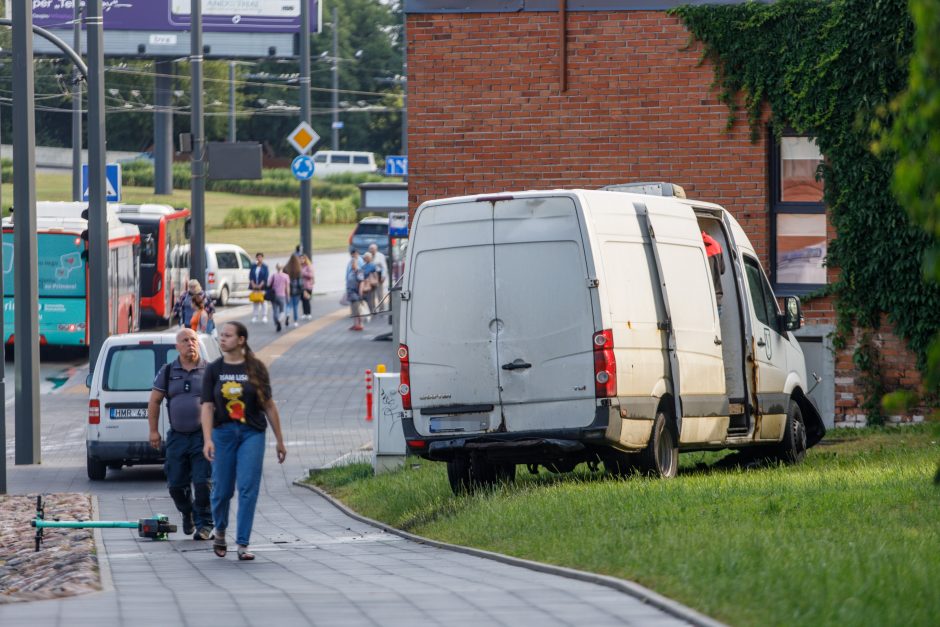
x=486, y=115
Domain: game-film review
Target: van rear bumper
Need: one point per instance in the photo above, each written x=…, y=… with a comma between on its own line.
x=520, y=447
x=127, y=453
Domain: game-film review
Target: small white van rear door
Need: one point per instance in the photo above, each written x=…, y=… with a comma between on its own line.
x=544, y=315
x=451, y=335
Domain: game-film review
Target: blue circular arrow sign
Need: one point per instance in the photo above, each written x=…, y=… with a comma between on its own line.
x=302, y=167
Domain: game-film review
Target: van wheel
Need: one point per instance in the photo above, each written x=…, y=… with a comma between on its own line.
x=468, y=473
x=97, y=469
x=660, y=458
x=792, y=448
x=458, y=474
x=223, y=296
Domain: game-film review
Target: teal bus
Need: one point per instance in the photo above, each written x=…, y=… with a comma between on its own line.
x=63, y=275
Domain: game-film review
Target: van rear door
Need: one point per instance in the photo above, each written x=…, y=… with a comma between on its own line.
x=451, y=333
x=544, y=315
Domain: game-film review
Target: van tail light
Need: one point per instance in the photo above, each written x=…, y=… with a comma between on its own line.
x=605, y=365
x=211, y=276
x=416, y=444
x=94, y=412
x=404, y=386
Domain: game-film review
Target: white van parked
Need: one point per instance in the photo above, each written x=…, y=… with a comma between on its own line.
x=119, y=389
x=559, y=327
x=326, y=162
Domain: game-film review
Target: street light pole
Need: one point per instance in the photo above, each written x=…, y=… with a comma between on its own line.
x=306, y=235
x=335, y=124
x=76, y=107
x=197, y=242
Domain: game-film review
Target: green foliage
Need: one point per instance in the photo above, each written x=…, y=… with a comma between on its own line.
x=829, y=69
x=775, y=546
x=287, y=214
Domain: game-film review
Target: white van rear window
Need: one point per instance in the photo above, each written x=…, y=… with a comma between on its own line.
x=339, y=159
x=363, y=160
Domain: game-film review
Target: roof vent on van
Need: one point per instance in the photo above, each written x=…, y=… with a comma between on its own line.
x=650, y=189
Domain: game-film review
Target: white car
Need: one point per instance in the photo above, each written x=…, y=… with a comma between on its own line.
x=117, y=433
x=227, y=269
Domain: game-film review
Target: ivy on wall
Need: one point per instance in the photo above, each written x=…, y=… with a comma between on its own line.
x=830, y=69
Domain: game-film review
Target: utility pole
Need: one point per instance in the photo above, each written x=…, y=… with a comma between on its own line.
x=335, y=124
x=306, y=188
x=97, y=194
x=197, y=241
x=231, y=95
x=163, y=127
x=26, y=277
x=76, y=106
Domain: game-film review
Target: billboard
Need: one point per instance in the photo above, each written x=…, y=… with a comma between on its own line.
x=218, y=16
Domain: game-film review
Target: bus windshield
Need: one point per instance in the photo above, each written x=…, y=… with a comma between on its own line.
x=61, y=267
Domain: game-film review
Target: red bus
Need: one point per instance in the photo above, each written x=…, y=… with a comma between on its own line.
x=164, y=266
x=63, y=275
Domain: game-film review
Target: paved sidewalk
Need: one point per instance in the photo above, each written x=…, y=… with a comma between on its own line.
x=315, y=565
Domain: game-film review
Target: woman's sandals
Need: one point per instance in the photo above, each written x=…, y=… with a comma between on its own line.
x=219, y=547
x=244, y=554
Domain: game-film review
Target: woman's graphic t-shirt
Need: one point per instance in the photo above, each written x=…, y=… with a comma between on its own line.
x=234, y=396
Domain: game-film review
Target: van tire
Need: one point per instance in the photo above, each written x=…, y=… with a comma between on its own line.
x=792, y=448
x=469, y=473
x=223, y=295
x=97, y=469
x=458, y=474
x=660, y=458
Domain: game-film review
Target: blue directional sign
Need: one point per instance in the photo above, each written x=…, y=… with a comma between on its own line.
x=112, y=182
x=302, y=167
x=396, y=165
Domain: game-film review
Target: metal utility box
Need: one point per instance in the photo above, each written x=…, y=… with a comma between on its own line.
x=388, y=439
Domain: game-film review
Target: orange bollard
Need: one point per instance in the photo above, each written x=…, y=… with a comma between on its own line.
x=368, y=396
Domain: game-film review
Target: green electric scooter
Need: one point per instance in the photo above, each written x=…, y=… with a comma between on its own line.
x=155, y=528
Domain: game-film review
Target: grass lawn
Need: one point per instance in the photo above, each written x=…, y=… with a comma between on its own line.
x=849, y=537
x=326, y=237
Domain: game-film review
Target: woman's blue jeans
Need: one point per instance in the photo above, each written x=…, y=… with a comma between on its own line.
x=294, y=304
x=239, y=454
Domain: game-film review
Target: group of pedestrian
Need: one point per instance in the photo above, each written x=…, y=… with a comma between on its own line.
x=194, y=309
x=365, y=284
x=291, y=285
x=218, y=415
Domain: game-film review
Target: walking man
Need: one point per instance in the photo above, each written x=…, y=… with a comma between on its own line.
x=188, y=472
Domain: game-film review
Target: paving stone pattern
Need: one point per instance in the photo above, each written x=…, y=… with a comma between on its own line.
x=314, y=566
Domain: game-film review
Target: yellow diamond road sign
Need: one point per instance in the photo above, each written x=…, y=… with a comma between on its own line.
x=303, y=138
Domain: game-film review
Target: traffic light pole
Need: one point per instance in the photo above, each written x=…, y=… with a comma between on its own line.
x=306, y=220
x=197, y=241
x=97, y=199
x=26, y=278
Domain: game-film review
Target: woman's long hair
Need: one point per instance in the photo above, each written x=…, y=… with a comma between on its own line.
x=257, y=372
x=293, y=267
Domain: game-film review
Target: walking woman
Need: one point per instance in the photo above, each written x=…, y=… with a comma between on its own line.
x=280, y=283
x=236, y=408
x=306, y=273
x=199, y=321
x=294, y=271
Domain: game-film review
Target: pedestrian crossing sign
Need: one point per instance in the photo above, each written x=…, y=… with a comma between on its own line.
x=303, y=138
x=112, y=184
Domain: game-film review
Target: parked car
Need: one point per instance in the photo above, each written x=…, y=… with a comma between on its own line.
x=370, y=231
x=227, y=268
x=328, y=162
x=586, y=326
x=117, y=433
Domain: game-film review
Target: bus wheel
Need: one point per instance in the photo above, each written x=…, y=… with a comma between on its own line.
x=660, y=458
x=792, y=448
x=223, y=296
x=97, y=469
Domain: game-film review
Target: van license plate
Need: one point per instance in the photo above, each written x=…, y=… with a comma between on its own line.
x=118, y=413
x=454, y=424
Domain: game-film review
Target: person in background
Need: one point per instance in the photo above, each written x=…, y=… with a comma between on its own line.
x=293, y=269
x=306, y=273
x=280, y=283
x=237, y=407
x=353, y=277
x=183, y=310
x=188, y=472
x=369, y=281
x=199, y=321
x=381, y=265
x=258, y=282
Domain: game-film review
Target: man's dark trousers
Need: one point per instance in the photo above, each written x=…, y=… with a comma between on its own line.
x=188, y=476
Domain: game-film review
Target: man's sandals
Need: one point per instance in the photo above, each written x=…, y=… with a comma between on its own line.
x=244, y=554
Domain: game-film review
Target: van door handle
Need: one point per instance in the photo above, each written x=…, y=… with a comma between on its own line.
x=717, y=341
x=761, y=342
x=517, y=365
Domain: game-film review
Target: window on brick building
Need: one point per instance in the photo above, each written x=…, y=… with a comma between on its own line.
x=798, y=216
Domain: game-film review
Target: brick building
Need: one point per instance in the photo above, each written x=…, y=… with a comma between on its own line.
x=517, y=94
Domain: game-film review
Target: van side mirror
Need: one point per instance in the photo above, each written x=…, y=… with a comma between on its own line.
x=793, y=313
x=88, y=380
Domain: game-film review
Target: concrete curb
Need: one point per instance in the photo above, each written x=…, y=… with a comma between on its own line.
x=101, y=554
x=631, y=588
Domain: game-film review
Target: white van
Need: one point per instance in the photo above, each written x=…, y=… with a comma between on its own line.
x=558, y=327
x=117, y=433
x=326, y=162
x=227, y=270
